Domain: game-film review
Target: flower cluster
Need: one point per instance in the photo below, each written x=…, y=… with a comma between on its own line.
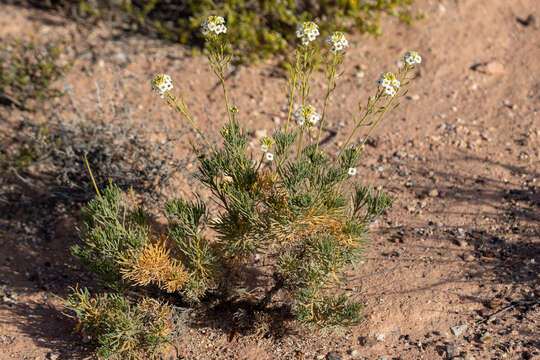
x=352, y=171
x=412, y=58
x=215, y=24
x=162, y=83
x=306, y=112
x=338, y=41
x=266, y=144
x=307, y=32
x=389, y=82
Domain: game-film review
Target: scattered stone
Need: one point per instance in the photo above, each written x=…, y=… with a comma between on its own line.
x=458, y=329
x=433, y=193
x=461, y=232
x=491, y=67
x=354, y=353
x=486, y=339
x=52, y=355
x=119, y=58
x=450, y=351
x=276, y=120
x=530, y=20
x=86, y=339
x=414, y=97
x=462, y=243
x=260, y=133
x=379, y=337
x=468, y=257
x=333, y=355
x=362, y=341
x=360, y=74
x=474, y=86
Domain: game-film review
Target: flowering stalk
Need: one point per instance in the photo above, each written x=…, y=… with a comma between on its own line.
x=331, y=86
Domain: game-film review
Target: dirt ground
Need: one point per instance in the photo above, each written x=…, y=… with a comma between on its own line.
x=452, y=270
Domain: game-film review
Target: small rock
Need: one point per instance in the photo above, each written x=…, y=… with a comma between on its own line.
x=461, y=232
x=462, y=243
x=530, y=20
x=333, y=355
x=260, y=133
x=379, y=337
x=354, y=353
x=276, y=120
x=486, y=339
x=433, y=193
x=450, y=351
x=360, y=74
x=474, y=86
x=52, y=355
x=468, y=257
x=458, y=329
x=119, y=58
x=414, y=97
x=491, y=68
x=86, y=339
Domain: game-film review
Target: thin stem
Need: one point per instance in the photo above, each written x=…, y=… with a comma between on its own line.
x=300, y=143
x=292, y=89
x=183, y=111
x=331, y=83
x=92, y=177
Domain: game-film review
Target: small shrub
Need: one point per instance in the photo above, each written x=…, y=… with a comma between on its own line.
x=258, y=28
x=27, y=71
x=295, y=206
x=123, y=330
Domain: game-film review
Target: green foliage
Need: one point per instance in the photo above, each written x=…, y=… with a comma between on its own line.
x=109, y=233
x=259, y=28
x=123, y=330
x=303, y=212
x=27, y=71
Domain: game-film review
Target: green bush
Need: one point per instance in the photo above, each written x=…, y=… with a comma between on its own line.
x=123, y=330
x=27, y=71
x=294, y=206
x=258, y=28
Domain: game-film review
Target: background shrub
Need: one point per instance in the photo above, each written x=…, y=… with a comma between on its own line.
x=258, y=28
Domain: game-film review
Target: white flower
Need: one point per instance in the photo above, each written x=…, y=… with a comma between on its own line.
x=385, y=82
x=412, y=58
x=215, y=24
x=389, y=91
x=264, y=147
x=161, y=84
x=306, y=113
x=269, y=156
x=396, y=83
x=307, y=32
x=337, y=41
x=352, y=171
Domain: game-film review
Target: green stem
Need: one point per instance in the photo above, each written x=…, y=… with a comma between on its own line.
x=300, y=143
x=328, y=92
x=183, y=111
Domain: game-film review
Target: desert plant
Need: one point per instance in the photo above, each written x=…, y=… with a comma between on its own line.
x=27, y=71
x=295, y=206
x=258, y=28
x=124, y=329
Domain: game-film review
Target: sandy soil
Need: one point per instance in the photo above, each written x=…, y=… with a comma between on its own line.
x=460, y=157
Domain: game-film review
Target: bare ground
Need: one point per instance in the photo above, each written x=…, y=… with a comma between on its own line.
x=460, y=157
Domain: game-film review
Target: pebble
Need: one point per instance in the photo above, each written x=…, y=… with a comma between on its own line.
x=379, y=337
x=414, y=97
x=333, y=355
x=450, y=351
x=260, y=133
x=461, y=232
x=458, y=329
x=433, y=193
x=276, y=120
x=53, y=355
x=490, y=68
